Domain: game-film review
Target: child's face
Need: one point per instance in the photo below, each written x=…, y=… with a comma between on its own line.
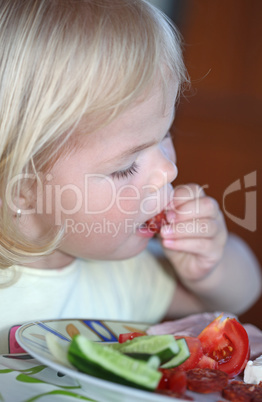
x=116, y=179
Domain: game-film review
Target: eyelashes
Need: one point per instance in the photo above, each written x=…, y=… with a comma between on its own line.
x=133, y=169
x=124, y=174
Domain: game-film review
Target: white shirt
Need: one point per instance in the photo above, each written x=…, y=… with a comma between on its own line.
x=137, y=289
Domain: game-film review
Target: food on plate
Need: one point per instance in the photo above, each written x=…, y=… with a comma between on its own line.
x=193, y=324
x=176, y=366
x=237, y=391
x=226, y=341
x=195, y=351
x=255, y=340
x=253, y=371
x=180, y=350
x=165, y=347
x=190, y=325
x=172, y=380
x=129, y=336
x=181, y=357
x=104, y=362
x=205, y=380
x=154, y=224
x=207, y=362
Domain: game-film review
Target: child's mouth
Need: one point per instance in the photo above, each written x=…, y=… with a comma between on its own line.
x=153, y=225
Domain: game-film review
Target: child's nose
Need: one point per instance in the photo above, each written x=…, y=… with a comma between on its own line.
x=164, y=172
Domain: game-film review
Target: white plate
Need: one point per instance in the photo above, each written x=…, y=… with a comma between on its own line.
x=31, y=337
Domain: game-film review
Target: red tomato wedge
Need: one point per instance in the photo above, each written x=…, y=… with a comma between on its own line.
x=155, y=223
x=207, y=362
x=129, y=336
x=178, y=382
x=226, y=341
x=196, y=353
x=173, y=380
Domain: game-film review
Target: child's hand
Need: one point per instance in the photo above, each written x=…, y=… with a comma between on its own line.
x=195, y=238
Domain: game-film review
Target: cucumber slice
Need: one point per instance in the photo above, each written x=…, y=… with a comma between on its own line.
x=58, y=348
x=104, y=362
x=182, y=355
x=151, y=360
x=163, y=346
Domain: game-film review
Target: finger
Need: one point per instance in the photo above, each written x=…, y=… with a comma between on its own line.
x=203, y=207
x=186, y=192
x=199, y=246
x=208, y=228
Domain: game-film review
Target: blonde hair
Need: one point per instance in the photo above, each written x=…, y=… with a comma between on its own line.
x=62, y=60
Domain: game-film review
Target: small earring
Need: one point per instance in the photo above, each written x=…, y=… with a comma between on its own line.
x=18, y=213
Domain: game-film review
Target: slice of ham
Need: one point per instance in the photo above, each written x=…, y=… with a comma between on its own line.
x=255, y=340
x=193, y=324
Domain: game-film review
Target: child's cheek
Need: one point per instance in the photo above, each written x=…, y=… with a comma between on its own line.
x=99, y=195
x=128, y=200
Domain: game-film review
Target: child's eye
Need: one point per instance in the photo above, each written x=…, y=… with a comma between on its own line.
x=124, y=174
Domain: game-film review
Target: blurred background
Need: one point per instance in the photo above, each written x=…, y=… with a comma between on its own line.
x=218, y=126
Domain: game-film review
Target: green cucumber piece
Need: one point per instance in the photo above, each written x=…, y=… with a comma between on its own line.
x=163, y=346
x=106, y=363
x=58, y=348
x=182, y=355
x=151, y=360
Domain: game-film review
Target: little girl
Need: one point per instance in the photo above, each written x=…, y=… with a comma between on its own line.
x=88, y=90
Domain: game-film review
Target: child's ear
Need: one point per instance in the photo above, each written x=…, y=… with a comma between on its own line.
x=24, y=203
x=26, y=214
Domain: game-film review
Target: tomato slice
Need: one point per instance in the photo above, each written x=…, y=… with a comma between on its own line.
x=196, y=353
x=164, y=381
x=207, y=362
x=178, y=382
x=129, y=336
x=173, y=380
x=226, y=341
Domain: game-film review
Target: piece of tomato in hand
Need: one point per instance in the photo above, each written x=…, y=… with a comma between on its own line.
x=226, y=341
x=154, y=224
x=129, y=336
x=196, y=353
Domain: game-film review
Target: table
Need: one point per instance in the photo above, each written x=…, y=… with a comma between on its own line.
x=24, y=379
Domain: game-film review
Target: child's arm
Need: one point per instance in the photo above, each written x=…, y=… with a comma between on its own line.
x=217, y=271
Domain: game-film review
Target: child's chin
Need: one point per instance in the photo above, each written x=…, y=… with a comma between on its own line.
x=129, y=252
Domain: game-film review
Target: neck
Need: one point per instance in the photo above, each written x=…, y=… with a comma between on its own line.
x=56, y=260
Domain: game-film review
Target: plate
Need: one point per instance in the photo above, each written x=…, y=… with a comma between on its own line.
x=31, y=337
